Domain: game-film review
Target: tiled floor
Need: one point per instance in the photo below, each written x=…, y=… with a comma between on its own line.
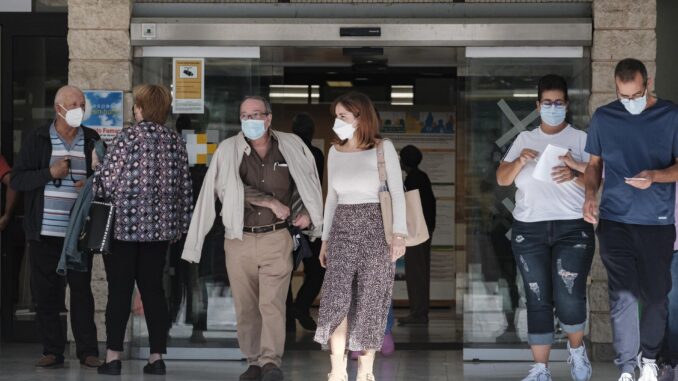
x=16, y=365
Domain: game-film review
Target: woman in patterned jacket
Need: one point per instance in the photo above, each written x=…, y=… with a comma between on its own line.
x=145, y=175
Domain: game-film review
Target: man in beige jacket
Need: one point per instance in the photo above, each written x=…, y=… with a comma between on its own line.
x=266, y=180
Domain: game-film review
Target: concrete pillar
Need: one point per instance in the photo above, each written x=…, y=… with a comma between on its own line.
x=622, y=29
x=101, y=59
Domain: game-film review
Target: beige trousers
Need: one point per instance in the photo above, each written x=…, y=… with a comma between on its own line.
x=259, y=270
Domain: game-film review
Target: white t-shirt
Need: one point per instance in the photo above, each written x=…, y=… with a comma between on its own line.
x=547, y=201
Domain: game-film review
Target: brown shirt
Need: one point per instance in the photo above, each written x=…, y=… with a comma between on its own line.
x=266, y=179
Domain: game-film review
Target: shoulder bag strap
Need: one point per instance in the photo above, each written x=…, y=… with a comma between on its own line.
x=381, y=166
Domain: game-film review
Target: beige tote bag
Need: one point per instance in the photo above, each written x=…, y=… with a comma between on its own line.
x=417, y=231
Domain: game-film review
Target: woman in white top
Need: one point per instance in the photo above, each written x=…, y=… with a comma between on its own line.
x=552, y=244
x=360, y=264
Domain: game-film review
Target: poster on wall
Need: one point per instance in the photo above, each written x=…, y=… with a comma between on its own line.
x=188, y=82
x=103, y=113
x=445, y=223
x=436, y=122
x=439, y=163
x=412, y=122
x=438, y=147
x=393, y=122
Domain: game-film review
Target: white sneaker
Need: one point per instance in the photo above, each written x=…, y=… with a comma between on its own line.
x=365, y=377
x=648, y=369
x=539, y=372
x=337, y=377
x=580, y=366
x=626, y=377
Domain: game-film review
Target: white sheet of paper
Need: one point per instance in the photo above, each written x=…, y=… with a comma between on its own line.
x=546, y=161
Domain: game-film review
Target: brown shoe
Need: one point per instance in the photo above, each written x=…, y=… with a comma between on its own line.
x=50, y=361
x=271, y=372
x=91, y=362
x=253, y=373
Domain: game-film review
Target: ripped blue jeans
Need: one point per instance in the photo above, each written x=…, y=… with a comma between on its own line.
x=554, y=259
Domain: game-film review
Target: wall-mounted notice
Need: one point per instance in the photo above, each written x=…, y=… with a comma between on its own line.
x=103, y=112
x=188, y=81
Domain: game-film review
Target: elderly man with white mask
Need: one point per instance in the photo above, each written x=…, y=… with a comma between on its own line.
x=52, y=166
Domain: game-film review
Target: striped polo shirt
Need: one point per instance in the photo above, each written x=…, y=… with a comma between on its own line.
x=59, y=198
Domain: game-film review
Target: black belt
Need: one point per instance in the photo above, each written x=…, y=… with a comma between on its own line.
x=265, y=229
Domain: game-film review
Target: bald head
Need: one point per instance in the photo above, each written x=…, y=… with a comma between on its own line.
x=69, y=97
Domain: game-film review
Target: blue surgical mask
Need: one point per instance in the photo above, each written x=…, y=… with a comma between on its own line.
x=253, y=129
x=553, y=115
x=635, y=106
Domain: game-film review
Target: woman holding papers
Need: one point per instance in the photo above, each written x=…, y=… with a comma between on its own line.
x=552, y=244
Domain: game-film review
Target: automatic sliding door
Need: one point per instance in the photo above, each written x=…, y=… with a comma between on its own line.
x=500, y=97
x=199, y=295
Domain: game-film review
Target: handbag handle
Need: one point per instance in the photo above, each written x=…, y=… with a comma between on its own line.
x=381, y=166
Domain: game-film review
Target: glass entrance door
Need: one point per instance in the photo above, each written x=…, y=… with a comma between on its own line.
x=500, y=101
x=35, y=65
x=417, y=96
x=463, y=113
x=199, y=295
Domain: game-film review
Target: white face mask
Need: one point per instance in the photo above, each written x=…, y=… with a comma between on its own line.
x=635, y=106
x=343, y=130
x=73, y=117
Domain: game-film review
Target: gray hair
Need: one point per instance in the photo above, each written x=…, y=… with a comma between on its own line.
x=58, y=98
x=265, y=101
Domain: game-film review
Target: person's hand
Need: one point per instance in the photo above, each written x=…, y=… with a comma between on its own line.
x=569, y=160
x=647, y=180
x=79, y=184
x=302, y=221
x=397, y=248
x=590, y=210
x=281, y=211
x=4, y=221
x=527, y=155
x=323, y=254
x=562, y=174
x=59, y=170
x=95, y=159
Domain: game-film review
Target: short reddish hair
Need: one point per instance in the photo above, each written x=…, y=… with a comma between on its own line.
x=155, y=102
x=367, y=121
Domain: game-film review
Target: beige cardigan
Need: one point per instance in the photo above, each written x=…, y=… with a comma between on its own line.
x=223, y=180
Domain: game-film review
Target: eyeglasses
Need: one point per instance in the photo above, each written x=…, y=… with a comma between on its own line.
x=58, y=182
x=633, y=97
x=549, y=104
x=254, y=115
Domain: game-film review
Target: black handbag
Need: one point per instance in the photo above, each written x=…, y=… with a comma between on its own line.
x=301, y=248
x=97, y=231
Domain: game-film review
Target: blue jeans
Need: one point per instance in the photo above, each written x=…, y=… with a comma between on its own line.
x=672, y=331
x=554, y=259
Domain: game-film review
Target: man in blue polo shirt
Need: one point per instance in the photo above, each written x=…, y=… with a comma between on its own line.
x=635, y=140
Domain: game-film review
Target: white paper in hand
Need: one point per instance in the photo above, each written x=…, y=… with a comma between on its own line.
x=546, y=161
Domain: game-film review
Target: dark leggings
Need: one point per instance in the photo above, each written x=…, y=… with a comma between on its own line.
x=144, y=263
